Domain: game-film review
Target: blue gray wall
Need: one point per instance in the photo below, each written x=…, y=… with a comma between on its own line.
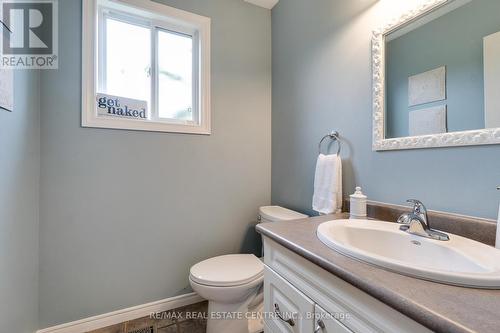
x=455, y=41
x=19, y=170
x=125, y=214
x=322, y=81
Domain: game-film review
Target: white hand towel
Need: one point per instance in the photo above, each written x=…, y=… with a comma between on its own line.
x=327, y=196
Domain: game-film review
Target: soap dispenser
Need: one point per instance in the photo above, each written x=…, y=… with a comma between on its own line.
x=357, y=205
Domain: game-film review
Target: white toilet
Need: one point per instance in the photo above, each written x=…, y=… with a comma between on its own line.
x=233, y=284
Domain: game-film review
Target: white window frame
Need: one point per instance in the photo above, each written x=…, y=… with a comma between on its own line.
x=163, y=18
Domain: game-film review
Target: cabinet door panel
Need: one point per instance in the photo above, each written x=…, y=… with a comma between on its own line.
x=267, y=329
x=287, y=309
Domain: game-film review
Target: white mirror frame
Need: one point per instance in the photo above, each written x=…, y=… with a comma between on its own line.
x=380, y=143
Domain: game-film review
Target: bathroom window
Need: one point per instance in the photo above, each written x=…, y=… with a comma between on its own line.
x=146, y=66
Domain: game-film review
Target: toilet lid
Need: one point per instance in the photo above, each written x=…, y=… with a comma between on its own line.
x=228, y=270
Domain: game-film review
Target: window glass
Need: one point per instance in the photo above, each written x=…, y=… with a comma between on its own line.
x=175, y=76
x=128, y=60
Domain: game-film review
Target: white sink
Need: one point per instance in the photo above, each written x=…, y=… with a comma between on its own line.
x=459, y=261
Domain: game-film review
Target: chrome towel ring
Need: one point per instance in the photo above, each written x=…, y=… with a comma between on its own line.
x=332, y=136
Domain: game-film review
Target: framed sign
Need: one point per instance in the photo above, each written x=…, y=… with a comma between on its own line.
x=109, y=106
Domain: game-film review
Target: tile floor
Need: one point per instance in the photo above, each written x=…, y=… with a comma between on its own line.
x=188, y=319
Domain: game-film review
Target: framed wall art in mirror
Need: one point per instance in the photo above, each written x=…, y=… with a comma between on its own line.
x=436, y=76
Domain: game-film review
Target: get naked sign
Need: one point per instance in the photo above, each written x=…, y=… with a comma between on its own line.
x=109, y=106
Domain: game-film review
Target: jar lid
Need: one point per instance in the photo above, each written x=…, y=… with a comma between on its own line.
x=358, y=194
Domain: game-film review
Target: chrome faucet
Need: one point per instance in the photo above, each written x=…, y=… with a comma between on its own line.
x=417, y=223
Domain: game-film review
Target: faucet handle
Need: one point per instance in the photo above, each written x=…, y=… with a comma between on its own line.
x=404, y=219
x=418, y=206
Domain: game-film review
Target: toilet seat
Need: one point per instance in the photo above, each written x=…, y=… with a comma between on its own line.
x=228, y=270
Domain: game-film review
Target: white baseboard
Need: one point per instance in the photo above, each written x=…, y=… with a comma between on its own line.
x=120, y=316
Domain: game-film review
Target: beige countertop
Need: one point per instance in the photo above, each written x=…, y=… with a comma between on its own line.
x=442, y=308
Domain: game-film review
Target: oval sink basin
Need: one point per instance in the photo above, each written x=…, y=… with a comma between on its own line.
x=459, y=261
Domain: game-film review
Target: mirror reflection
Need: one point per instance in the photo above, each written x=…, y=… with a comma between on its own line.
x=443, y=71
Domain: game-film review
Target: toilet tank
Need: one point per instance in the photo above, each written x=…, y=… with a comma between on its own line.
x=277, y=213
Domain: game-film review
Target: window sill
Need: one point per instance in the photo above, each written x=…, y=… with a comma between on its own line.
x=135, y=125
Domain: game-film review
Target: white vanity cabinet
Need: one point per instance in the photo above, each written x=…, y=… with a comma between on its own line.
x=301, y=297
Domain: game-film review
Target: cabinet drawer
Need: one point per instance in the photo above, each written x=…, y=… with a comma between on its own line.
x=287, y=309
x=325, y=322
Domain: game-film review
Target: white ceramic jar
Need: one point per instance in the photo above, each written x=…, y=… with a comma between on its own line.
x=357, y=204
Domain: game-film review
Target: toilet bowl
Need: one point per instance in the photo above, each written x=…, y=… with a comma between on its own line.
x=233, y=284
